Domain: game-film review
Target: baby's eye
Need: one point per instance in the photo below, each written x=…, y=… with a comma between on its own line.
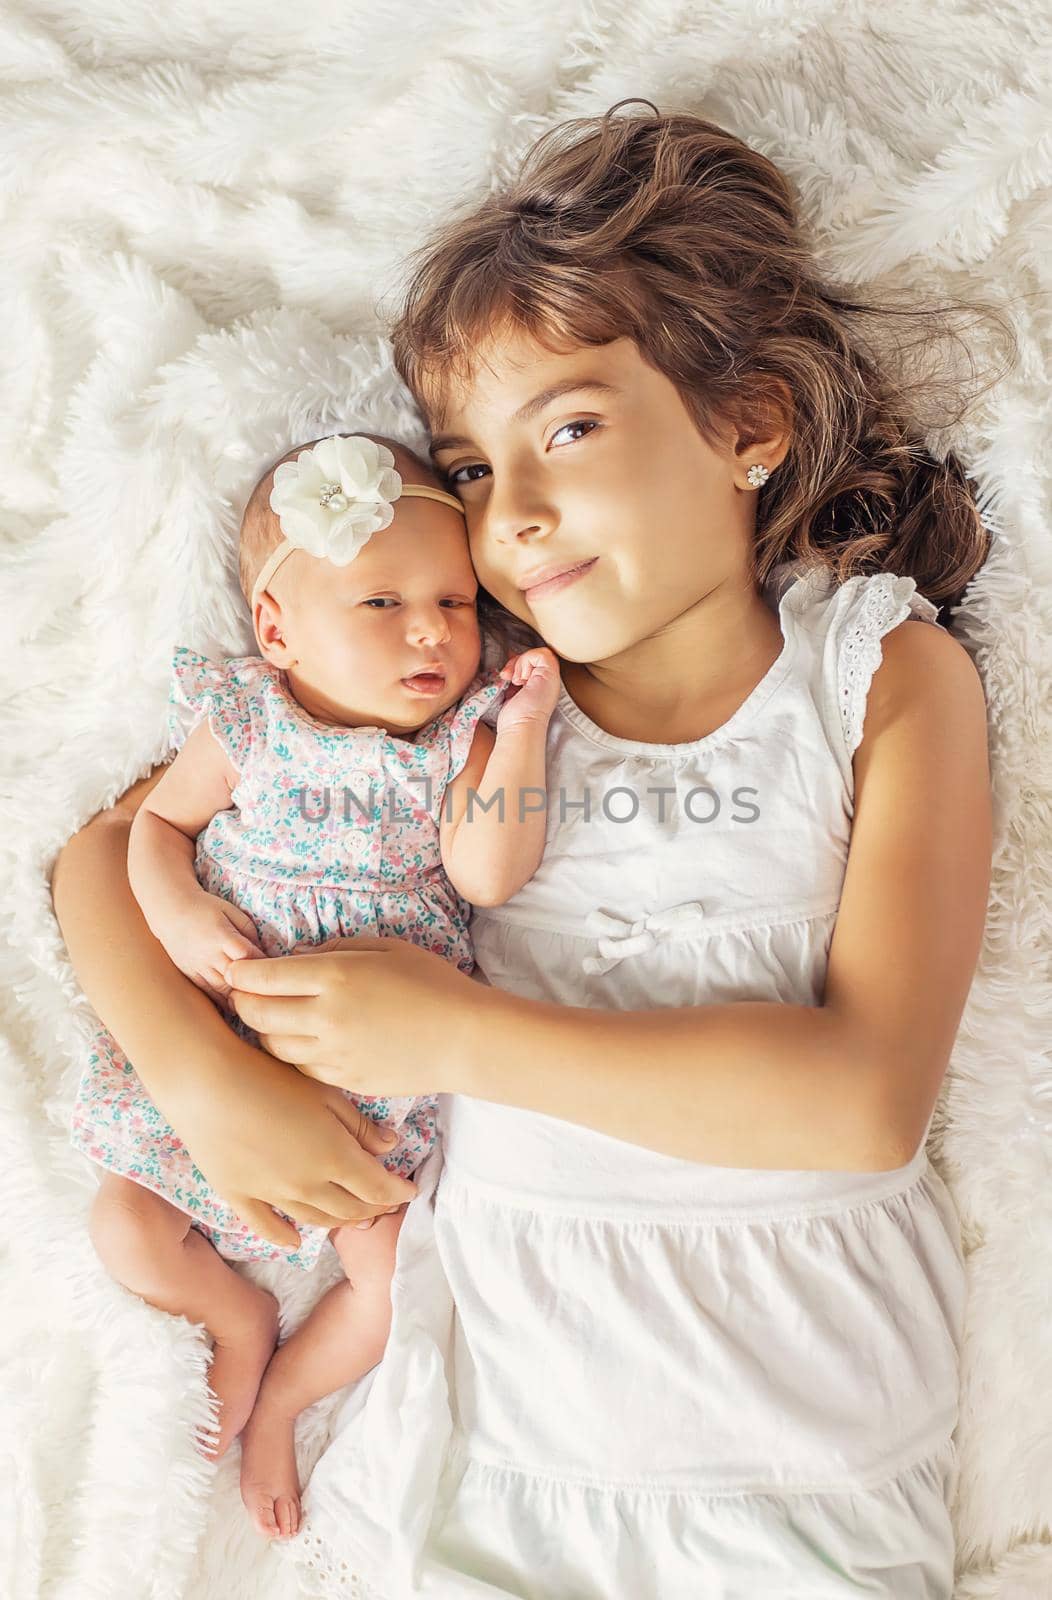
x=384, y=600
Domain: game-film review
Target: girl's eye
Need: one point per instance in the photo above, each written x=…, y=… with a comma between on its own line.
x=582, y=424
x=454, y=476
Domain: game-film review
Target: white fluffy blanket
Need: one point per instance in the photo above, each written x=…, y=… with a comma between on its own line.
x=208, y=210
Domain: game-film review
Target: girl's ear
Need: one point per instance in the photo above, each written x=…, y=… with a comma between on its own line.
x=766, y=428
x=269, y=628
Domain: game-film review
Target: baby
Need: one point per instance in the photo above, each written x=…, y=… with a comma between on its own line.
x=322, y=793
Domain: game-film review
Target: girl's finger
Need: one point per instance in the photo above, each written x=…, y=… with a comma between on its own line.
x=272, y=1013
x=296, y=1048
x=262, y=1219
x=369, y=1204
x=294, y=975
x=302, y=1212
x=375, y=1184
x=368, y=1213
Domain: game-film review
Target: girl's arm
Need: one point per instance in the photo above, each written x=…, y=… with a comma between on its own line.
x=845, y=1085
x=299, y=1145
x=492, y=825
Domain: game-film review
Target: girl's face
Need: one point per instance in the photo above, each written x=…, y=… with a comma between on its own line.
x=349, y=637
x=590, y=458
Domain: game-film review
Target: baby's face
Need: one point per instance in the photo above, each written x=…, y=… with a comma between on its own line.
x=406, y=604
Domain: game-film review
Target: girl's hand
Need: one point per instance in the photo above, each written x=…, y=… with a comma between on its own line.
x=376, y=1016
x=322, y=1169
x=204, y=936
x=535, y=674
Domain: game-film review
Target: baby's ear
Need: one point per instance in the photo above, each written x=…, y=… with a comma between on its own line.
x=269, y=627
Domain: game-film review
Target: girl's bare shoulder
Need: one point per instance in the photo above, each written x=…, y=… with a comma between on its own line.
x=924, y=673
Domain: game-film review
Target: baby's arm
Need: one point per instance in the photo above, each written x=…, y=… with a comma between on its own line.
x=200, y=931
x=490, y=853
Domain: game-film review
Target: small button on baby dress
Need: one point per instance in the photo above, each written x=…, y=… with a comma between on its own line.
x=635, y=1377
x=332, y=831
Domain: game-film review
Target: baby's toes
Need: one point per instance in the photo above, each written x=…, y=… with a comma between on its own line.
x=288, y=1512
x=262, y=1511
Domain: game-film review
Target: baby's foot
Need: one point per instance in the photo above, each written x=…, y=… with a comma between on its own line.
x=239, y=1360
x=270, y=1485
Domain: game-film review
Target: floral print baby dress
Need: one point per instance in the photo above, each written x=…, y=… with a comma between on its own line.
x=331, y=831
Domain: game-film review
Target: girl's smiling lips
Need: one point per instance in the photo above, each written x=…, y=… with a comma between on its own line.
x=547, y=580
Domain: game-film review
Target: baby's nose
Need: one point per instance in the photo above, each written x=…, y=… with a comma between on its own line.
x=433, y=626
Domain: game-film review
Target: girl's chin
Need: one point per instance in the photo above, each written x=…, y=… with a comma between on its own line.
x=583, y=643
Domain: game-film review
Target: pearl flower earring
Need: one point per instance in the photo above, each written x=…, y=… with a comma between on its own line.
x=757, y=475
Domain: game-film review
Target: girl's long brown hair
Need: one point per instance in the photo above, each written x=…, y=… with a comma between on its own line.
x=671, y=231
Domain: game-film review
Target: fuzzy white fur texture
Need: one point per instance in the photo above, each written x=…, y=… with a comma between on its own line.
x=208, y=214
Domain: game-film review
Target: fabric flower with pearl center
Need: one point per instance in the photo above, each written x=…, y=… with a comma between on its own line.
x=335, y=496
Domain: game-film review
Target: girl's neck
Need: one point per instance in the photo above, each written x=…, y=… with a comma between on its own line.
x=683, y=683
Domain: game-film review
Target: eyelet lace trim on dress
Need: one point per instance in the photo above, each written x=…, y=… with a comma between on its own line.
x=322, y=1574
x=883, y=606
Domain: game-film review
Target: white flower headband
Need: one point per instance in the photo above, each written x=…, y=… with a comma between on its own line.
x=334, y=497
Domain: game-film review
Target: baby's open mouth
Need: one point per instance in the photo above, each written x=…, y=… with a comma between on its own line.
x=426, y=682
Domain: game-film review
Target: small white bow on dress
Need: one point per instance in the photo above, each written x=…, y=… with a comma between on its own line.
x=619, y=938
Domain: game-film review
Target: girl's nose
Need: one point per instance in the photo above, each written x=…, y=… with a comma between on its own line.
x=517, y=512
x=512, y=527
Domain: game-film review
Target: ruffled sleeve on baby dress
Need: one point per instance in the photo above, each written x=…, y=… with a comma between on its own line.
x=867, y=607
x=463, y=718
x=219, y=690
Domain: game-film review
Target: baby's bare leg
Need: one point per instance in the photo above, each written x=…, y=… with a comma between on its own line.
x=341, y=1340
x=150, y=1247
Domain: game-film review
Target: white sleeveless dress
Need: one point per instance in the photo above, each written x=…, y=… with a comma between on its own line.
x=617, y=1375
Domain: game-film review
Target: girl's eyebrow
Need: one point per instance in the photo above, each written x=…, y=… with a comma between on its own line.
x=451, y=441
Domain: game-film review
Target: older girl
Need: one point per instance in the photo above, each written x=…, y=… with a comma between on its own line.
x=681, y=1312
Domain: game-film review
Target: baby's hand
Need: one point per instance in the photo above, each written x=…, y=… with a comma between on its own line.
x=204, y=936
x=535, y=674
